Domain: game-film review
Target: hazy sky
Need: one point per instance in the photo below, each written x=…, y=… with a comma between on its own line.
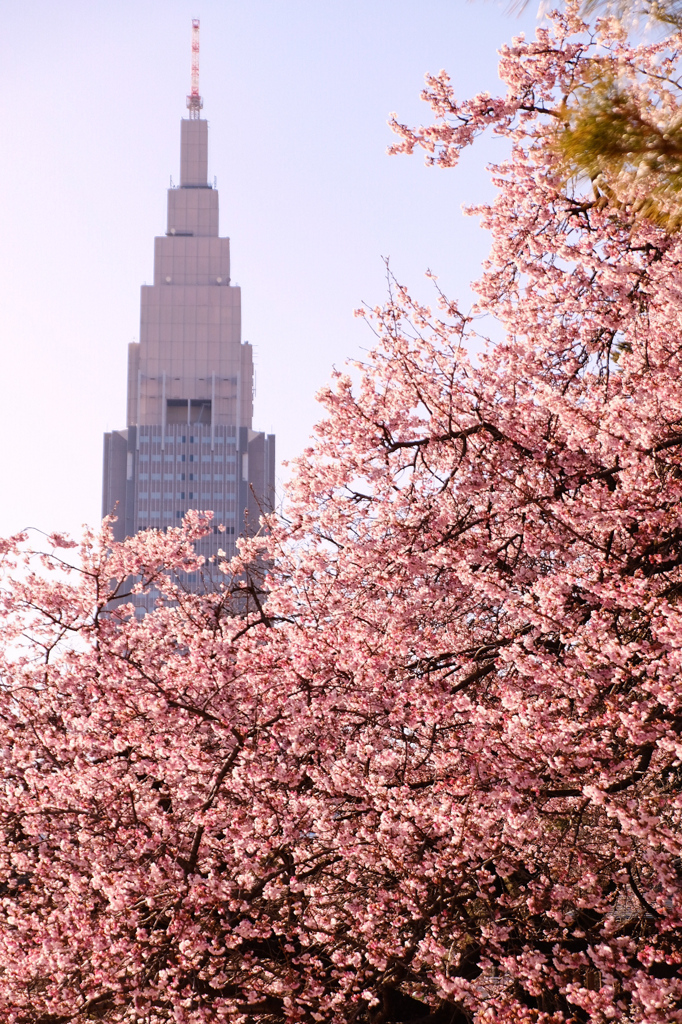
x=297, y=93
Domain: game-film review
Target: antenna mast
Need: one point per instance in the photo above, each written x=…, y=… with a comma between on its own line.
x=194, y=100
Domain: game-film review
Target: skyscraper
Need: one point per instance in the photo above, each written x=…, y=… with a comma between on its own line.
x=189, y=441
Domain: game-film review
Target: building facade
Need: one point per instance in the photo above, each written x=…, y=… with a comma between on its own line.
x=189, y=442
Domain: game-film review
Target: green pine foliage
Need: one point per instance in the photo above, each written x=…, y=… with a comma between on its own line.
x=627, y=145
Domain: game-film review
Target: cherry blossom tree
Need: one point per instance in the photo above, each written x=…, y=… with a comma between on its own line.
x=418, y=757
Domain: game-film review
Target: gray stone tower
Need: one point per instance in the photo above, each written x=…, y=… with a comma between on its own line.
x=189, y=442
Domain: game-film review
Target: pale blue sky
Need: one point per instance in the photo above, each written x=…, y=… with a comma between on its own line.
x=297, y=93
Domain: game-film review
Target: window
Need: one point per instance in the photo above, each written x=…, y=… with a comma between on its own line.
x=196, y=411
x=178, y=515
x=191, y=476
x=143, y=476
x=143, y=495
x=168, y=476
x=182, y=495
x=144, y=458
x=191, y=458
x=205, y=458
x=181, y=458
x=156, y=458
x=181, y=476
x=176, y=410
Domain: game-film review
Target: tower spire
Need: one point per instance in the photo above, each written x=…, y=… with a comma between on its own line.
x=194, y=100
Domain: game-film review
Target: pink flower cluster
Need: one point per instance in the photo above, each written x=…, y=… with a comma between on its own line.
x=420, y=758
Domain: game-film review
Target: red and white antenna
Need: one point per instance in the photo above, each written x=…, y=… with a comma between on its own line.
x=194, y=100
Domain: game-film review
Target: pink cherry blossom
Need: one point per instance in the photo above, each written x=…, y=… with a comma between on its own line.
x=419, y=756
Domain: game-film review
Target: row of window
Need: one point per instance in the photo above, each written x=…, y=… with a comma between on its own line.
x=204, y=504
x=198, y=439
x=217, y=477
x=169, y=495
x=177, y=514
x=219, y=457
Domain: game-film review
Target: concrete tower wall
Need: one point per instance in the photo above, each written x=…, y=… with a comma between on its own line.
x=193, y=153
x=194, y=211
x=189, y=442
x=114, y=477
